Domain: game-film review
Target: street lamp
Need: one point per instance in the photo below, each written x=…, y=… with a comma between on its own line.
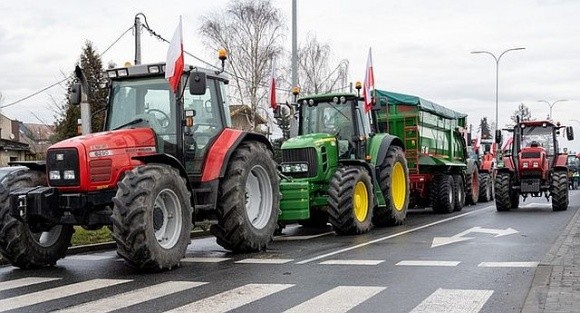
x=551, y=106
x=496, y=77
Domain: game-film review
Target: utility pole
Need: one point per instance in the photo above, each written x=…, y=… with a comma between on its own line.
x=137, y=39
x=293, y=124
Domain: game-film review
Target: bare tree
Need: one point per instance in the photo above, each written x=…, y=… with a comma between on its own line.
x=252, y=33
x=523, y=112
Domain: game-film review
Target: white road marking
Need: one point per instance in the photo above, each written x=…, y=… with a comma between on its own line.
x=508, y=264
x=133, y=297
x=339, y=299
x=428, y=263
x=292, y=238
x=232, y=299
x=454, y=301
x=57, y=293
x=391, y=236
x=22, y=282
x=264, y=261
x=88, y=257
x=352, y=262
x=204, y=260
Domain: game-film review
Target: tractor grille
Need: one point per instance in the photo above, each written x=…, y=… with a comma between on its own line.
x=100, y=170
x=303, y=155
x=530, y=155
x=61, y=160
x=530, y=185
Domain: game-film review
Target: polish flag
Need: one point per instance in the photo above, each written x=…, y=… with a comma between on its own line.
x=369, y=83
x=272, y=92
x=507, y=144
x=175, y=62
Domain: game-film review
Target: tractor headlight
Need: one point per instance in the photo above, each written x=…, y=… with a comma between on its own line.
x=294, y=168
x=526, y=165
x=69, y=174
x=54, y=175
x=535, y=164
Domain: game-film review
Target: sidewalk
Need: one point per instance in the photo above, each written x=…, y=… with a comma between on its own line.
x=556, y=285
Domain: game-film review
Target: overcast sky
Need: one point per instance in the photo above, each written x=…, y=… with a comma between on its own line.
x=419, y=47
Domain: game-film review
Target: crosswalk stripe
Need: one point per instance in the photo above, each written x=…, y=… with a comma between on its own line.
x=352, y=262
x=56, y=293
x=264, y=261
x=454, y=301
x=428, y=263
x=204, y=260
x=133, y=297
x=508, y=264
x=17, y=283
x=339, y=299
x=232, y=299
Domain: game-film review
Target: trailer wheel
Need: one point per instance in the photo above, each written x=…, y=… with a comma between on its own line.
x=559, y=191
x=473, y=185
x=443, y=193
x=459, y=193
x=503, y=193
x=394, y=183
x=21, y=246
x=350, y=201
x=152, y=217
x=249, y=200
x=485, y=187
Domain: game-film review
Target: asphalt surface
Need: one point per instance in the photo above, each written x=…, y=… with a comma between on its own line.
x=486, y=262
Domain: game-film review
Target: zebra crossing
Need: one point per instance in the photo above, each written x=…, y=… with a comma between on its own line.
x=333, y=299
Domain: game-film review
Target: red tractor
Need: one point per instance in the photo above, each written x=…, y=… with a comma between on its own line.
x=535, y=166
x=164, y=161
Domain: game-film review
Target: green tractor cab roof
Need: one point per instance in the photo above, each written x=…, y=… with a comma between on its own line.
x=327, y=97
x=153, y=69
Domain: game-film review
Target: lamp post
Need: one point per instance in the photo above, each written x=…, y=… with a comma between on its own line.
x=551, y=106
x=497, y=59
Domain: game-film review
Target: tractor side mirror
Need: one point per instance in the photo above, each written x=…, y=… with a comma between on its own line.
x=570, y=133
x=498, y=136
x=75, y=94
x=197, y=83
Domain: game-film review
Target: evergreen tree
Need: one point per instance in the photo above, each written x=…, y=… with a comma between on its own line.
x=66, y=121
x=485, y=128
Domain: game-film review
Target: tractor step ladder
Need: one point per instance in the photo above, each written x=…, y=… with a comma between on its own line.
x=411, y=139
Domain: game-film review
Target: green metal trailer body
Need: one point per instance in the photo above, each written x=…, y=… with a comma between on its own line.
x=434, y=145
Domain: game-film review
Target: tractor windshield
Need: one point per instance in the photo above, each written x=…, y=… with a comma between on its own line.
x=538, y=136
x=326, y=117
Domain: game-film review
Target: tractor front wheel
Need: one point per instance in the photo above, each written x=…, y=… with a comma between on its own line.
x=394, y=181
x=249, y=200
x=350, y=201
x=485, y=187
x=559, y=191
x=504, y=196
x=443, y=193
x=20, y=245
x=152, y=217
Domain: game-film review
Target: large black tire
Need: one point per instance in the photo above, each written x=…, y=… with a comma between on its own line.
x=394, y=183
x=485, y=187
x=559, y=191
x=18, y=243
x=473, y=183
x=459, y=193
x=503, y=193
x=350, y=213
x=152, y=217
x=249, y=200
x=443, y=194
x=318, y=218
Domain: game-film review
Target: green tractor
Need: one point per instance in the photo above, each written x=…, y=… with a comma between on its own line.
x=339, y=170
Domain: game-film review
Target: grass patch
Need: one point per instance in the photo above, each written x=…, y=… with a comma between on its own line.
x=86, y=237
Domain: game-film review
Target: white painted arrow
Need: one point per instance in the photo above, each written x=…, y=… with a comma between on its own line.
x=441, y=241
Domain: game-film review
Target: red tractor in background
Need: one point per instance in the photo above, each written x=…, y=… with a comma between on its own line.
x=164, y=161
x=481, y=169
x=535, y=166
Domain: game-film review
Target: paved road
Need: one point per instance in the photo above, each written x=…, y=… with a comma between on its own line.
x=476, y=260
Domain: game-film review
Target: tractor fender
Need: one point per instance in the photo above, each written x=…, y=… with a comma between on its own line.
x=166, y=159
x=222, y=149
x=386, y=142
x=561, y=161
x=362, y=164
x=33, y=165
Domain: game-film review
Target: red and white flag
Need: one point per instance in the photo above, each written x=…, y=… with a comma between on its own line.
x=175, y=62
x=507, y=144
x=369, y=84
x=272, y=92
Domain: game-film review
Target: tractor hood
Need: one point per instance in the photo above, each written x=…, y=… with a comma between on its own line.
x=122, y=138
x=310, y=141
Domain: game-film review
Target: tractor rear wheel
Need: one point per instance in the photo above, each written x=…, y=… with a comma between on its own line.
x=443, y=193
x=350, y=201
x=485, y=187
x=249, y=200
x=152, y=217
x=559, y=191
x=394, y=183
x=459, y=193
x=473, y=184
x=503, y=193
x=21, y=246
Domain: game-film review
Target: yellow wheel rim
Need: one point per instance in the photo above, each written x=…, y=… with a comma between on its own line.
x=361, y=201
x=398, y=186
